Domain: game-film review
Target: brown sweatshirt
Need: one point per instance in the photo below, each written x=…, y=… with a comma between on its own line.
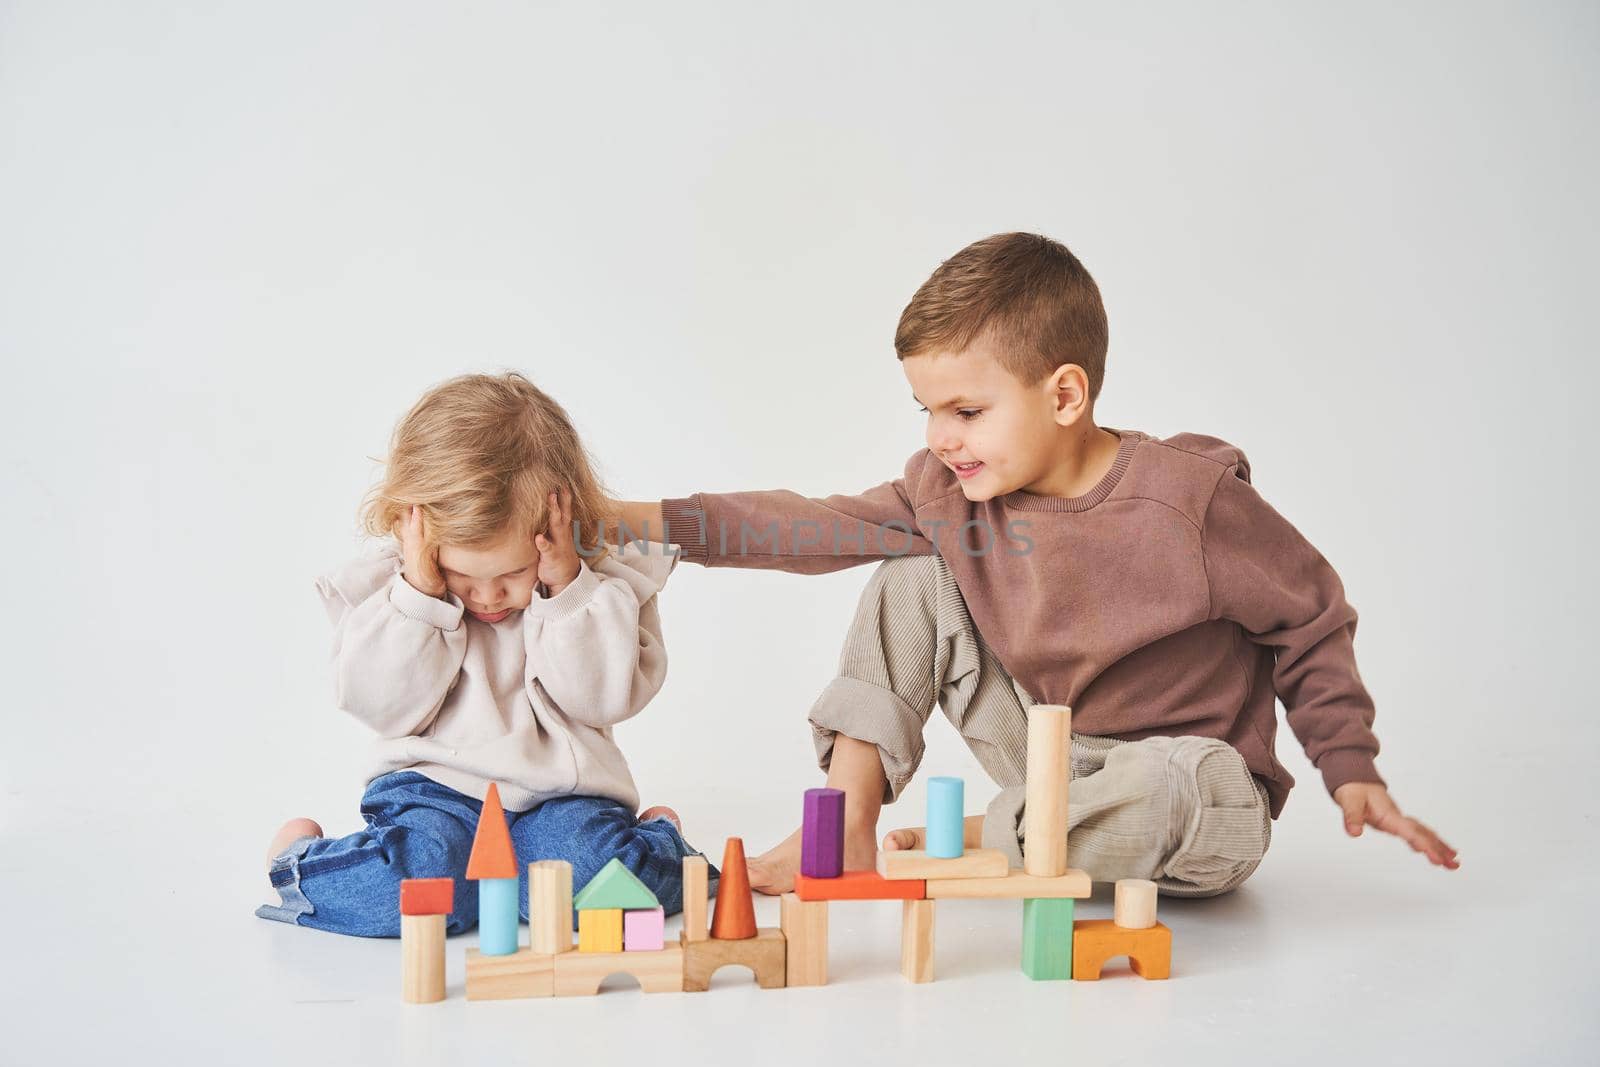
x=1170, y=599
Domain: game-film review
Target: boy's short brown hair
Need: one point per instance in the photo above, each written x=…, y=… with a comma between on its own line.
x=1025, y=292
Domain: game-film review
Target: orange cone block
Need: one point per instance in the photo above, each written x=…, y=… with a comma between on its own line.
x=735, y=917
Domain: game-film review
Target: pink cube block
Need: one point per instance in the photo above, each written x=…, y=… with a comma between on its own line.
x=642, y=930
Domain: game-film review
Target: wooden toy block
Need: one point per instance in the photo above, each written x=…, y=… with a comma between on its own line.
x=916, y=940
x=946, y=830
x=765, y=954
x=735, y=916
x=805, y=929
x=822, y=834
x=1044, y=850
x=1017, y=884
x=643, y=930
x=427, y=896
x=498, y=916
x=520, y=975
x=1135, y=904
x=579, y=974
x=422, y=958
x=915, y=863
x=550, y=906
x=1094, y=941
x=615, y=887
x=859, y=885
x=1047, y=939
x=600, y=930
x=695, y=894
x=492, y=855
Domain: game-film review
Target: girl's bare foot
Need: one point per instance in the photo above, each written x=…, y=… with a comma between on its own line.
x=661, y=811
x=289, y=833
x=773, y=871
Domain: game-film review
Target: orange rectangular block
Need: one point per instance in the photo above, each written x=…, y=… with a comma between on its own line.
x=427, y=896
x=860, y=885
x=1094, y=941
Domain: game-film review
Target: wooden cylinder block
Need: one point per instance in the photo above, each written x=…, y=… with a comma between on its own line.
x=1049, y=771
x=1134, y=907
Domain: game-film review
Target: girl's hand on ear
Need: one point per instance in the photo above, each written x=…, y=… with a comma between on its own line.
x=558, y=554
x=421, y=568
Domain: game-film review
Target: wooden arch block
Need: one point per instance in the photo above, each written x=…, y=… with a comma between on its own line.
x=1094, y=941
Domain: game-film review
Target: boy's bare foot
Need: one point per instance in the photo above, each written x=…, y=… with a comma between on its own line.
x=661, y=811
x=289, y=833
x=773, y=871
x=904, y=839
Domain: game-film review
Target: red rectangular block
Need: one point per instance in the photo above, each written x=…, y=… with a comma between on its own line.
x=860, y=885
x=427, y=896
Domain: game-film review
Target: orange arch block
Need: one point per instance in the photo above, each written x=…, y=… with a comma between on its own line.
x=1094, y=941
x=735, y=917
x=492, y=854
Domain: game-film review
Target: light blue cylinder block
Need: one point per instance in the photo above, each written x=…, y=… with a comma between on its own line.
x=946, y=805
x=497, y=916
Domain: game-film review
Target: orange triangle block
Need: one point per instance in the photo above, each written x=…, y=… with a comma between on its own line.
x=735, y=917
x=492, y=854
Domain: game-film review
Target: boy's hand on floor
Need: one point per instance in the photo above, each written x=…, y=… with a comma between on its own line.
x=421, y=563
x=1369, y=804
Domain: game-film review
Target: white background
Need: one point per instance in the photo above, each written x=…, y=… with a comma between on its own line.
x=237, y=241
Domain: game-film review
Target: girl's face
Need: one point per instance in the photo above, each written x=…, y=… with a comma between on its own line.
x=492, y=580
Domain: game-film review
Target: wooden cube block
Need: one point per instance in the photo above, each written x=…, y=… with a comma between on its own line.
x=916, y=863
x=524, y=973
x=642, y=930
x=858, y=885
x=1094, y=941
x=916, y=940
x=765, y=955
x=805, y=929
x=1016, y=885
x=600, y=930
x=427, y=896
x=579, y=974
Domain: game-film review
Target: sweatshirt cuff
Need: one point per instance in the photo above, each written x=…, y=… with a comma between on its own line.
x=413, y=603
x=686, y=527
x=1343, y=765
x=577, y=593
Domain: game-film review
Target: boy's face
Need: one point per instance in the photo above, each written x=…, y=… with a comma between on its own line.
x=997, y=434
x=492, y=580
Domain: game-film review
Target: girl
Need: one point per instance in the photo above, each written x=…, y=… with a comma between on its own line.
x=485, y=648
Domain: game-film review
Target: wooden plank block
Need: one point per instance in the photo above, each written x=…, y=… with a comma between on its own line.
x=1017, y=884
x=735, y=915
x=643, y=930
x=422, y=958
x=858, y=885
x=1135, y=904
x=805, y=928
x=550, y=906
x=695, y=894
x=1044, y=843
x=600, y=930
x=765, y=954
x=822, y=833
x=1094, y=941
x=427, y=896
x=915, y=863
x=916, y=940
x=1047, y=939
x=522, y=974
x=579, y=974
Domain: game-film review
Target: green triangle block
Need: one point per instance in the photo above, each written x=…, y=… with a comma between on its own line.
x=615, y=887
x=1047, y=939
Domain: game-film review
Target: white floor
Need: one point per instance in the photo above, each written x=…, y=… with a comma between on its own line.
x=145, y=948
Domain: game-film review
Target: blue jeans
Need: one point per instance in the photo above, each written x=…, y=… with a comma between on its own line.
x=417, y=828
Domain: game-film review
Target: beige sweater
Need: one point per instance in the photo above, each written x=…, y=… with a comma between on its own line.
x=528, y=702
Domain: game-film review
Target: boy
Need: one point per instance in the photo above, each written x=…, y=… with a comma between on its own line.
x=1033, y=556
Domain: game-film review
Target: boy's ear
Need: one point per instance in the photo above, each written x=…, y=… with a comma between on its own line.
x=1069, y=388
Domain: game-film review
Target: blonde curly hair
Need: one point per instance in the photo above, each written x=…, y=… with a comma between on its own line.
x=480, y=455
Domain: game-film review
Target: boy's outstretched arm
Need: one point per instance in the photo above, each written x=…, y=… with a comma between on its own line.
x=1268, y=578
